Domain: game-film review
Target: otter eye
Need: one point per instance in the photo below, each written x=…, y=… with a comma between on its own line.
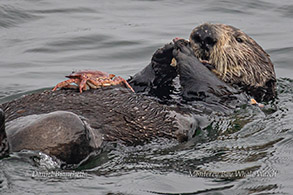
x=239, y=40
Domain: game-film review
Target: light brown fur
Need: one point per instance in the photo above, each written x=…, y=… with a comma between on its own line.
x=237, y=58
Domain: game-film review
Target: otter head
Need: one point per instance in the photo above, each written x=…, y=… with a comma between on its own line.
x=236, y=58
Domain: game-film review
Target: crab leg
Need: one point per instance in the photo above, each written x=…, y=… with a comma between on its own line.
x=91, y=85
x=118, y=80
x=66, y=83
x=100, y=82
x=94, y=83
x=82, y=85
x=108, y=82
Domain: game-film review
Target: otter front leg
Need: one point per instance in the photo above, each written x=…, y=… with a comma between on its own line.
x=158, y=75
x=196, y=80
x=4, y=147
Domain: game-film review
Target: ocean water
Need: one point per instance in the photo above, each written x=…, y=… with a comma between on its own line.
x=41, y=41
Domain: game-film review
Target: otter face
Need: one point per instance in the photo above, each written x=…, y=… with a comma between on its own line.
x=237, y=58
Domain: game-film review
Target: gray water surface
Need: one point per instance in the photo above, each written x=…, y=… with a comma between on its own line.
x=41, y=41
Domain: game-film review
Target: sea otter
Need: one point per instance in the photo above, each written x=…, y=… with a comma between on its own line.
x=208, y=81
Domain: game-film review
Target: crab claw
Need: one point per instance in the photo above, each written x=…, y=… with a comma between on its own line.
x=67, y=84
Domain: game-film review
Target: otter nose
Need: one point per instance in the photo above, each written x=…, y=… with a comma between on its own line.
x=204, y=37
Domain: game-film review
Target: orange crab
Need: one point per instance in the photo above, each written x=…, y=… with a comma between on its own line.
x=91, y=79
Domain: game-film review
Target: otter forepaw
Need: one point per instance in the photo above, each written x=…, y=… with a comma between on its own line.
x=183, y=46
x=164, y=55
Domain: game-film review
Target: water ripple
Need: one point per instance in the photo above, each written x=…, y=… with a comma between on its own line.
x=64, y=10
x=12, y=16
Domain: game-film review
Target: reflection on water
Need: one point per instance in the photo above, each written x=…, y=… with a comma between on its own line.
x=41, y=41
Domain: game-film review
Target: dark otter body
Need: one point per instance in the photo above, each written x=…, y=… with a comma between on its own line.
x=117, y=115
x=111, y=111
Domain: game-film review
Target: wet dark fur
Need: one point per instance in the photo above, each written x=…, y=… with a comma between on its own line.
x=4, y=147
x=198, y=85
x=118, y=113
